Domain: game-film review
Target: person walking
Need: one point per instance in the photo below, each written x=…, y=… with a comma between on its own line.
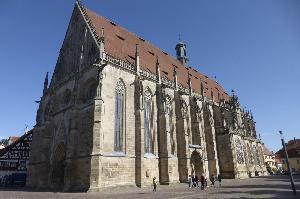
x=205, y=182
x=196, y=181
x=202, y=181
x=189, y=181
x=219, y=179
x=212, y=180
x=154, y=184
x=193, y=181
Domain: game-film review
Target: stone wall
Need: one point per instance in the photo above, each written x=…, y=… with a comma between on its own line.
x=74, y=139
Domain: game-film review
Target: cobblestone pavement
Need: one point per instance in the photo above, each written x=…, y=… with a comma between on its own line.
x=260, y=187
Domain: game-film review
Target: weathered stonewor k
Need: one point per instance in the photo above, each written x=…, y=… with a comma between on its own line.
x=119, y=111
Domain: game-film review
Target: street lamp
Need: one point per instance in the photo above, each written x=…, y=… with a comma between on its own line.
x=287, y=163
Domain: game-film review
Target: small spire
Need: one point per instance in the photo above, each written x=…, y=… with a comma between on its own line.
x=202, y=88
x=189, y=81
x=26, y=129
x=179, y=37
x=175, y=77
x=137, y=59
x=78, y=2
x=102, y=32
x=102, y=35
x=174, y=71
x=215, y=78
x=136, y=50
x=101, y=41
x=45, y=84
x=158, y=70
x=233, y=92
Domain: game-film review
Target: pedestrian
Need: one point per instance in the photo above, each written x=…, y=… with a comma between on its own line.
x=154, y=184
x=212, y=180
x=202, y=180
x=189, y=181
x=219, y=179
x=193, y=180
x=196, y=181
x=205, y=182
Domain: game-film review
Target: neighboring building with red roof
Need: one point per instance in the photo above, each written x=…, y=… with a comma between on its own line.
x=293, y=150
x=5, y=142
x=269, y=157
x=12, y=139
x=120, y=111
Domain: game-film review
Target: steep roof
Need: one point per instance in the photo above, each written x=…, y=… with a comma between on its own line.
x=293, y=149
x=267, y=151
x=12, y=139
x=121, y=44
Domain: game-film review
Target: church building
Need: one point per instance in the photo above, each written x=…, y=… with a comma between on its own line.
x=120, y=111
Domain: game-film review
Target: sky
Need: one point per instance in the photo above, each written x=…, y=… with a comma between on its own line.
x=252, y=47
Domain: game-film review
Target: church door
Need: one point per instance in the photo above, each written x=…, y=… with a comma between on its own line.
x=58, y=168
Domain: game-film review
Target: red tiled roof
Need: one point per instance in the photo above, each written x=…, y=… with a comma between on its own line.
x=121, y=44
x=278, y=159
x=12, y=139
x=293, y=149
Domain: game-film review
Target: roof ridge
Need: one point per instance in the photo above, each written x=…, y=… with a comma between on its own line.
x=120, y=45
x=134, y=34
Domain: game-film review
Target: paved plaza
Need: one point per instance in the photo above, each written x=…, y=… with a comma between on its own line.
x=260, y=187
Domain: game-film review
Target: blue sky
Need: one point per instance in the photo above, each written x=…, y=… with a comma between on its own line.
x=252, y=47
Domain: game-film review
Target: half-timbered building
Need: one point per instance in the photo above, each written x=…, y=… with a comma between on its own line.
x=14, y=159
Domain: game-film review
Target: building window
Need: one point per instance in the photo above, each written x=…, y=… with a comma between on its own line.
x=298, y=161
x=250, y=155
x=239, y=151
x=119, y=117
x=148, y=119
x=169, y=126
x=256, y=158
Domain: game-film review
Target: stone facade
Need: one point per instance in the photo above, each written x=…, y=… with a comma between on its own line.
x=104, y=121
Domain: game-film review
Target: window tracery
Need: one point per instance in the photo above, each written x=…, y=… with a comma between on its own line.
x=148, y=119
x=184, y=110
x=239, y=151
x=119, y=116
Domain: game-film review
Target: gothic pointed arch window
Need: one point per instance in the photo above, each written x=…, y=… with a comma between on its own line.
x=239, y=151
x=170, y=125
x=168, y=105
x=119, y=117
x=261, y=155
x=257, y=159
x=184, y=110
x=250, y=156
x=148, y=119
